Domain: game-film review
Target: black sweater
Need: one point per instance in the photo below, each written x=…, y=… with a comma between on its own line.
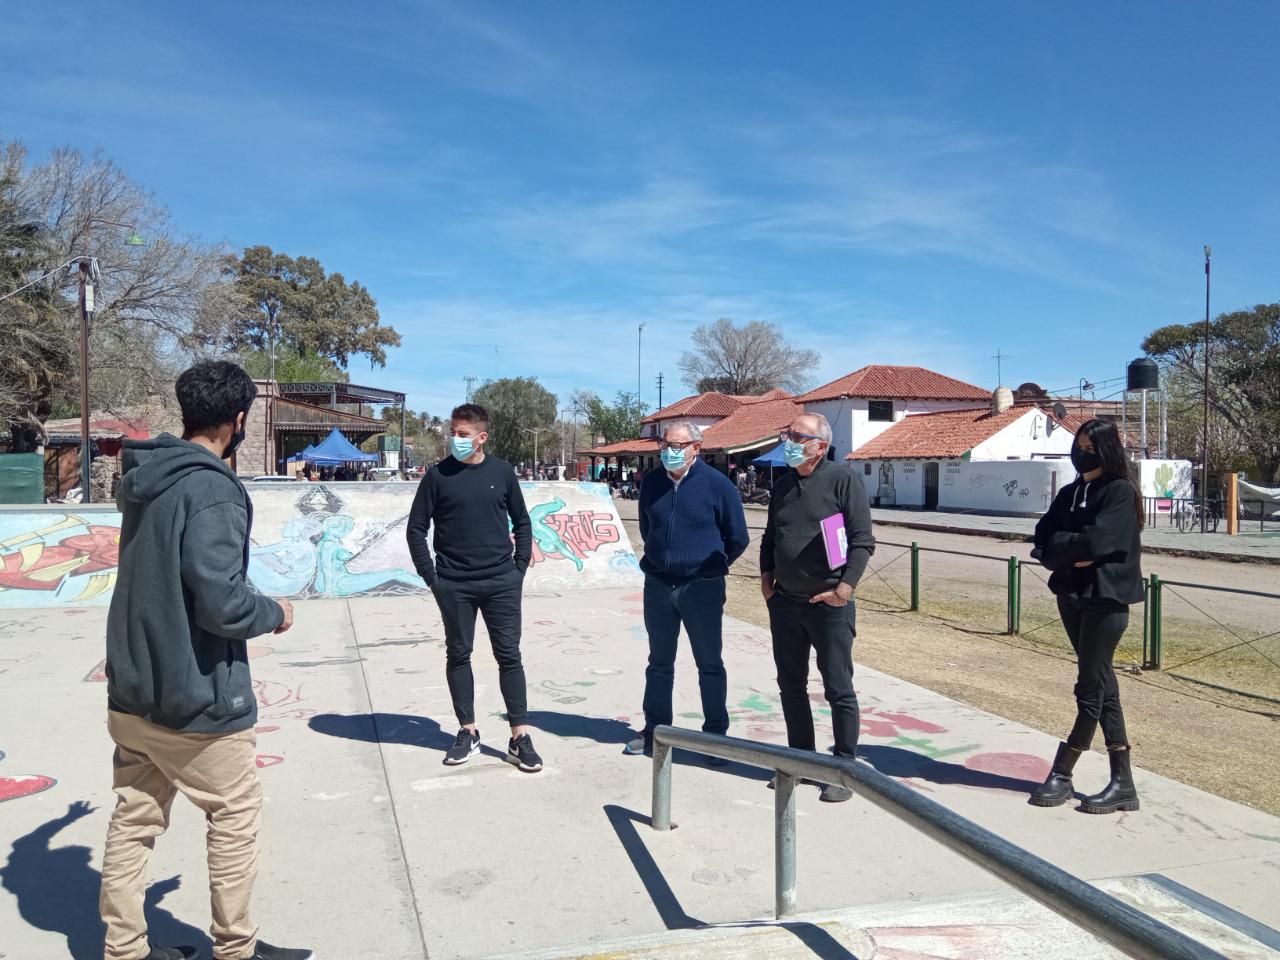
x=792, y=547
x=1094, y=520
x=476, y=508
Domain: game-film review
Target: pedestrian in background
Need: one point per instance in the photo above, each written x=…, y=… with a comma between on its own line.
x=181, y=703
x=693, y=528
x=1091, y=538
x=810, y=598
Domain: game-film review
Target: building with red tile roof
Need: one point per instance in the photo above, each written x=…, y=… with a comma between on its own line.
x=879, y=380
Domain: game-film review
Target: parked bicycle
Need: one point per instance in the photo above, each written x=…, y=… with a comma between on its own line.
x=1188, y=514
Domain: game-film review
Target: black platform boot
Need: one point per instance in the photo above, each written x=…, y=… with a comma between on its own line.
x=1057, y=789
x=1120, y=793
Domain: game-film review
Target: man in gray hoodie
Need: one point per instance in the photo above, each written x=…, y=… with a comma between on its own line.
x=181, y=703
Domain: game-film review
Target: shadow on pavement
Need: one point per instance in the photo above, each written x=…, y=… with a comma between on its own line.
x=616, y=733
x=624, y=821
x=897, y=762
x=57, y=890
x=389, y=728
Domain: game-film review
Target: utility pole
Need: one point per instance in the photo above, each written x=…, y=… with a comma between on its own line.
x=86, y=307
x=659, y=391
x=639, y=341
x=999, y=372
x=470, y=380
x=1204, y=467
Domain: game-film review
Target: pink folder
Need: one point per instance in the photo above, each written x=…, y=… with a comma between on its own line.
x=836, y=540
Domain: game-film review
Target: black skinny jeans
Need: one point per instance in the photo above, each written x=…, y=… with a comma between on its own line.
x=497, y=599
x=1094, y=628
x=799, y=626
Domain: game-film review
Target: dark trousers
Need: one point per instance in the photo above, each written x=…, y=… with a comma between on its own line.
x=699, y=605
x=798, y=626
x=498, y=601
x=1094, y=628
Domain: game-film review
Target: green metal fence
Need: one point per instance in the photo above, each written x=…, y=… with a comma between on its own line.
x=1145, y=649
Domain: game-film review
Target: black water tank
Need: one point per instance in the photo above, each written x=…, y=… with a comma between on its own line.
x=1144, y=374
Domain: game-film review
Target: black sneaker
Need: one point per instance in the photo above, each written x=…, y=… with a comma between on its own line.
x=464, y=745
x=266, y=951
x=834, y=793
x=520, y=752
x=172, y=953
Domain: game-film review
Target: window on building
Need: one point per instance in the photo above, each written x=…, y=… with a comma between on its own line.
x=880, y=411
x=866, y=468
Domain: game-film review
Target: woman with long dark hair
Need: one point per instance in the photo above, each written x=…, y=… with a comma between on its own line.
x=1091, y=538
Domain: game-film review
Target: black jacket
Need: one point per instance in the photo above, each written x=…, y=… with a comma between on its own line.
x=1094, y=520
x=182, y=608
x=792, y=546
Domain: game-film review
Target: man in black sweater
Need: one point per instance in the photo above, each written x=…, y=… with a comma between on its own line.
x=475, y=502
x=810, y=600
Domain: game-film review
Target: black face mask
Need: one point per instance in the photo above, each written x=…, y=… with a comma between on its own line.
x=237, y=438
x=1085, y=461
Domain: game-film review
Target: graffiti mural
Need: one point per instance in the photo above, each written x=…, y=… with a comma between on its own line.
x=316, y=540
x=23, y=785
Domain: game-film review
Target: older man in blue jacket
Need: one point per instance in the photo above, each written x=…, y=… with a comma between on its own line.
x=693, y=528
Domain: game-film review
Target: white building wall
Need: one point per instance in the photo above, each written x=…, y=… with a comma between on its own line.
x=1012, y=487
x=851, y=425
x=897, y=483
x=1031, y=436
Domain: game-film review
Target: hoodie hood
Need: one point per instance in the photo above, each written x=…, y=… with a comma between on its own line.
x=150, y=467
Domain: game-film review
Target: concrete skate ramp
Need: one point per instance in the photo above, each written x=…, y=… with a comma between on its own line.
x=315, y=540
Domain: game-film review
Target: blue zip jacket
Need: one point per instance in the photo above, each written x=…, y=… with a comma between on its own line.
x=695, y=530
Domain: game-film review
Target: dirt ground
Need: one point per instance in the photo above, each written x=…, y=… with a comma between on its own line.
x=955, y=644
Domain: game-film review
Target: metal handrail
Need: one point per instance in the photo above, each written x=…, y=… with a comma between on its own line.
x=1128, y=930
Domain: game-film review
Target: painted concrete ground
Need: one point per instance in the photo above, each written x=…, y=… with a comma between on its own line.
x=370, y=840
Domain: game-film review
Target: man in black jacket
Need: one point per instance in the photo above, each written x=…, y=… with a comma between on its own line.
x=182, y=707
x=474, y=500
x=810, y=599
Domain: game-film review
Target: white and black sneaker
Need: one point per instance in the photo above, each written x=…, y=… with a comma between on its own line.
x=520, y=752
x=465, y=744
x=173, y=953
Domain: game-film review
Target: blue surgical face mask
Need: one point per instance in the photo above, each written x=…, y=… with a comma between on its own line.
x=461, y=447
x=673, y=459
x=793, y=453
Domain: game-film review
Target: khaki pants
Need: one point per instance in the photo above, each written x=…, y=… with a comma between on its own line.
x=218, y=774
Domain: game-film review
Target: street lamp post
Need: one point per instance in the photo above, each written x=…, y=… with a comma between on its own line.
x=1204, y=466
x=88, y=271
x=1084, y=385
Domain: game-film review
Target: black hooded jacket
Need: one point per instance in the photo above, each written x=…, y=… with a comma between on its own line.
x=182, y=607
x=1093, y=520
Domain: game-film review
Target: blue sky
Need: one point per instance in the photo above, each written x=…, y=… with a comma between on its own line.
x=521, y=184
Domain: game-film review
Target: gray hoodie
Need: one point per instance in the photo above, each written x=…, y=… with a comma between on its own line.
x=182, y=608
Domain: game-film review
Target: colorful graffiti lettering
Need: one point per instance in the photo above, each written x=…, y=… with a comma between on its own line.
x=67, y=559
x=324, y=542
x=570, y=536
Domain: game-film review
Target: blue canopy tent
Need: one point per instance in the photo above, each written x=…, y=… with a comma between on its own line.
x=301, y=455
x=773, y=458
x=335, y=450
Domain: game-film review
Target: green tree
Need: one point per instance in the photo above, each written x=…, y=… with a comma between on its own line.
x=277, y=300
x=617, y=421
x=146, y=298
x=753, y=358
x=1244, y=380
x=517, y=406
x=292, y=367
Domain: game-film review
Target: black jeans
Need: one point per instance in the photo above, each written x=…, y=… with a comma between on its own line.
x=797, y=626
x=699, y=605
x=1094, y=628
x=498, y=601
